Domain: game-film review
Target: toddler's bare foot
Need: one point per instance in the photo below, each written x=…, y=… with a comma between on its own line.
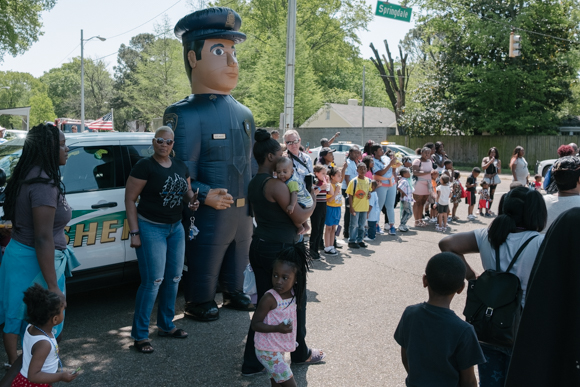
x=301, y=230
x=306, y=227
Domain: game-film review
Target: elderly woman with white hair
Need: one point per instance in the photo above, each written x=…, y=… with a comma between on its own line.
x=162, y=184
x=302, y=162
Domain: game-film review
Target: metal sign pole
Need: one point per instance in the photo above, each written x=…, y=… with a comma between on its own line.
x=290, y=61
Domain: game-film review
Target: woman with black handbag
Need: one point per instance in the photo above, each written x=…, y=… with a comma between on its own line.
x=522, y=216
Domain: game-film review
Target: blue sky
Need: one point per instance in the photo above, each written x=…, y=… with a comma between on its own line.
x=108, y=18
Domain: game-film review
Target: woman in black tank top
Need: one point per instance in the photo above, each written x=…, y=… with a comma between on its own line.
x=275, y=231
x=491, y=166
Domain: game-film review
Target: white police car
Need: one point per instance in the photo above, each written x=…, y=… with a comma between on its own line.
x=94, y=177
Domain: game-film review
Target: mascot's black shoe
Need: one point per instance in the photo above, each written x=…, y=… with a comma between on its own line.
x=207, y=311
x=238, y=301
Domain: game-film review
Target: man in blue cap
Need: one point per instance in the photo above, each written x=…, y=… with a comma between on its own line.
x=213, y=136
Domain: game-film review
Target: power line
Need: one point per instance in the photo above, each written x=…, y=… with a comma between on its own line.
x=66, y=56
x=155, y=17
x=126, y=32
x=516, y=28
x=113, y=53
x=529, y=31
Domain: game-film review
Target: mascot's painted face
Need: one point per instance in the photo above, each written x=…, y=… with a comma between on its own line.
x=217, y=70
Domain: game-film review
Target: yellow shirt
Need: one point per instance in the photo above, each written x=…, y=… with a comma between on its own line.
x=360, y=198
x=337, y=201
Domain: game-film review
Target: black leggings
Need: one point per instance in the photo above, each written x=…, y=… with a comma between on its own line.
x=492, y=188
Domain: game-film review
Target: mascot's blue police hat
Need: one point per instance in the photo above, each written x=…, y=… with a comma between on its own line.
x=210, y=23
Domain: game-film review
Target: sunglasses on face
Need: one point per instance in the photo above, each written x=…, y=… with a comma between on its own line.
x=295, y=142
x=160, y=141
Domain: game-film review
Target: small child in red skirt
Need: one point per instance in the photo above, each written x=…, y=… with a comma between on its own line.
x=484, y=199
x=40, y=359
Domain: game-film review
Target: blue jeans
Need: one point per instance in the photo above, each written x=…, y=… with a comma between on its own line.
x=160, y=259
x=406, y=212
x=494, y=372
x=372, y=229
x=357, y=227
x=390, y=203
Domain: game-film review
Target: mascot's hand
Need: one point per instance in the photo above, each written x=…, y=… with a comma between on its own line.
x=219, y=198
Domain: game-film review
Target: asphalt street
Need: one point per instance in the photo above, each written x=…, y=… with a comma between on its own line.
x=355, y=301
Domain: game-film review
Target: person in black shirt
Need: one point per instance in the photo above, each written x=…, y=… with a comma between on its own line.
x=470, y=187
x=437, y=347
x=161, y=183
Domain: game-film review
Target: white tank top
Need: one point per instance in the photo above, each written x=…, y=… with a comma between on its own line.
x=50, y=364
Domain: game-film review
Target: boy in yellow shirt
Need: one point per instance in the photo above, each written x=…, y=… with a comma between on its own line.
x=359, y=193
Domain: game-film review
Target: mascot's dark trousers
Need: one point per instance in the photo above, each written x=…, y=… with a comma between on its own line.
x=224, y=235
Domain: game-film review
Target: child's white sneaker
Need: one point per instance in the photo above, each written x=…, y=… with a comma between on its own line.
x=433, y=220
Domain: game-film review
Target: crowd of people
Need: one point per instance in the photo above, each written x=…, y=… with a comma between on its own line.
x=290, y=196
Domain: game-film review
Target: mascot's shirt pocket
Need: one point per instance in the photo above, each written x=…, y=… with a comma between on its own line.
x=218, y=147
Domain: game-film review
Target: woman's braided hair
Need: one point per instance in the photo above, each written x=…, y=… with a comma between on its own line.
x=41, y=149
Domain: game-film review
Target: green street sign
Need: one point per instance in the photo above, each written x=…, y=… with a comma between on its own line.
x=393, y=11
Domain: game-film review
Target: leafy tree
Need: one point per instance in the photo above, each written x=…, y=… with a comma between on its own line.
x=21, y=88
x=158, y=79
x=41, y=108
x=328, y=29
x=64, y=88
x=20, y=24
x=266, y=92
x=98, y=89
x=127, y=59
x=491, y=92
x=436, y=117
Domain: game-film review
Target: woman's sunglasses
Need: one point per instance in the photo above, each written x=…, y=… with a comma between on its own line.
x=160, y=141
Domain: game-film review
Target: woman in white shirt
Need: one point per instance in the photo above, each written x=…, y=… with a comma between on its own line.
x=519, y=166
x=522, y=215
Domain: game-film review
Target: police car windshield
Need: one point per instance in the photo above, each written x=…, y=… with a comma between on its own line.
x=10, y=154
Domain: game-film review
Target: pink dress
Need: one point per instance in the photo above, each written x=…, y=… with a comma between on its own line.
x=422, y=185
x=274, y=342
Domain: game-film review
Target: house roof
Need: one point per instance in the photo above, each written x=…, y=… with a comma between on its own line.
x=375, y=117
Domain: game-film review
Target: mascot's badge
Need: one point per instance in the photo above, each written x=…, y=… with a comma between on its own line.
x=170, y=119
x=248, y=128
x=230, y=21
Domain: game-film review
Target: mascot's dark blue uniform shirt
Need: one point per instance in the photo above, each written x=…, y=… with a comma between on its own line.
x=213, y=136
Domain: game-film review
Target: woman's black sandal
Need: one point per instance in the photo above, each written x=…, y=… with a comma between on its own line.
x=176, y=334
x=140, y=347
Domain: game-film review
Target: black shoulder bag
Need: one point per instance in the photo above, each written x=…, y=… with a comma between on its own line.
x=493, y=304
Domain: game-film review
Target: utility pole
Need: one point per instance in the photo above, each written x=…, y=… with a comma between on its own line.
x=363, y=110
x=82, y=129
x=290, y=61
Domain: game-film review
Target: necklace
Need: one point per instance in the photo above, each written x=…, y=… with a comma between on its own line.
x=55, y=347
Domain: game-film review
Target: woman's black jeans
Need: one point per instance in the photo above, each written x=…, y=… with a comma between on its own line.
x=262, y=256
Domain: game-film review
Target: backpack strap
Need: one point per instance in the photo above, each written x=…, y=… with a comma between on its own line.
x=513, y=261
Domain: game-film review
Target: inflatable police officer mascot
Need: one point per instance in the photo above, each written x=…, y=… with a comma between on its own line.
x=213, y=136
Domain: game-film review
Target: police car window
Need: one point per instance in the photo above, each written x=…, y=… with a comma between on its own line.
x=336, y=146
x=137, y=152
x=89, y=169
x=10, y=154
